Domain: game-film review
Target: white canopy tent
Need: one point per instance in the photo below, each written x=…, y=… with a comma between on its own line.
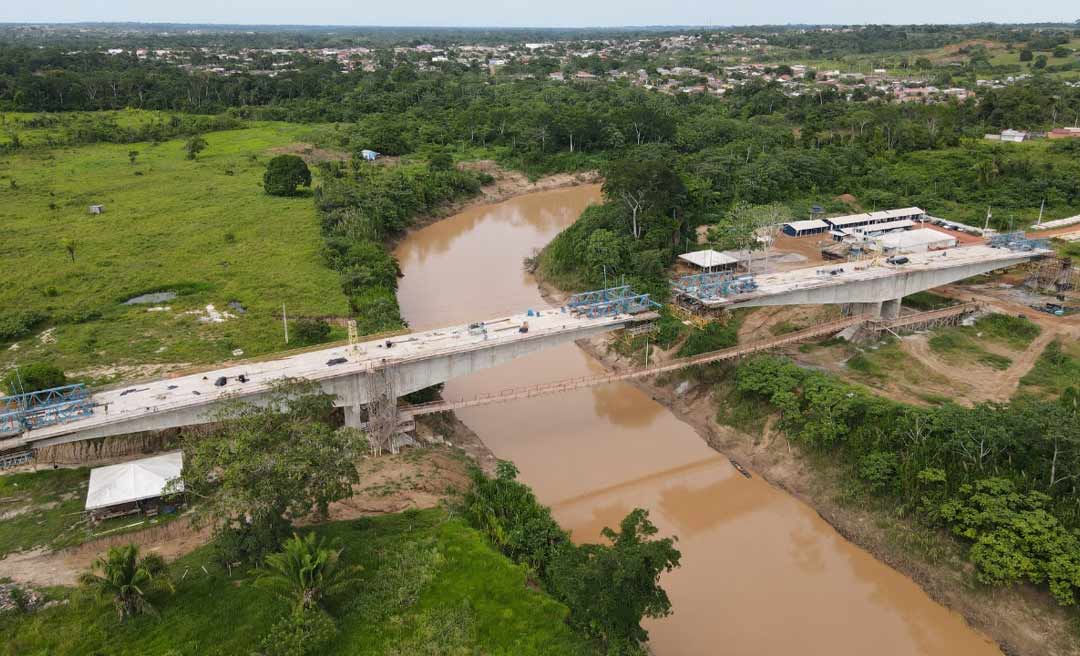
x=133, y=481
x=709, y=260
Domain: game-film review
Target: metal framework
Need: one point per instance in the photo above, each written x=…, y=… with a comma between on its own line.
x=949, y=316
x=1054, y=274
x=57, y=405
x=1017, y=241
x=704, y=286
x=9, y=460
x=616, y=306
x=599, y=296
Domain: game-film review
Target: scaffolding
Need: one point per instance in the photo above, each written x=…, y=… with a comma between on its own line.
x=599, y=296
x=609, y=302
x=1017, y=241
x=382, y=411
x=56, y=405
x=1056, y=275
x=707, y=286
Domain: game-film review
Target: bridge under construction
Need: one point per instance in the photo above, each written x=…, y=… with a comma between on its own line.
x=368, y=378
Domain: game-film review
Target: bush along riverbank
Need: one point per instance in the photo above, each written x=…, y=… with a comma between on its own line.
x=362, y=209
x=608, y=587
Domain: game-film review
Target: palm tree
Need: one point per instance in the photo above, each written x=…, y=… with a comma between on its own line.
x=306, y=571
x=127, y=579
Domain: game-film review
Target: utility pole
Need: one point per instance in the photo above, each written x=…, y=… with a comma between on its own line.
x=285, y=323
x=1042, y=206
x=646, y=350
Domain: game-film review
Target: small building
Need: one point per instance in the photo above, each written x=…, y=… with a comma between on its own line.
x=133, y=487
x=916, y=241
x=805, y=227
x=870, y=218
x=369, y=155
x=1064, y=133
x=1014, y=136
x=97, y=209
x=710, y=260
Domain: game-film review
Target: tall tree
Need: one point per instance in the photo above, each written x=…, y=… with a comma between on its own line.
x=612, y=587
x=645, y=182
x=270, y=464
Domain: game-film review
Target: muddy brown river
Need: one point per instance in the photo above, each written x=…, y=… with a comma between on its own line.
x=761, y=572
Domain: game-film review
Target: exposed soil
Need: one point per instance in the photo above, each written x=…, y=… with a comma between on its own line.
x=311, y=154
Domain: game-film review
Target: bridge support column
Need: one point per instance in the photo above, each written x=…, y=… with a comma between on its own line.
x=870, y=310
x=891, y=309
x=352, y=416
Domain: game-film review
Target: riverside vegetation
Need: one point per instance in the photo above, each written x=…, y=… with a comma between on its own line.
x=417, y=582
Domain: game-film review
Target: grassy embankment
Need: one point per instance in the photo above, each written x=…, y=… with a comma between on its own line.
x=1057, y=368
x=969, y=343
x=429, y=585
x=202, y=228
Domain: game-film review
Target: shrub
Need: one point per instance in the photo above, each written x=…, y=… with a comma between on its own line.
x=33, y=377
x=713, y=337
x=305, y=631
x=878, y=470
x=79, y=315
x=311, y=331
x=16, y=324
x=284, y=174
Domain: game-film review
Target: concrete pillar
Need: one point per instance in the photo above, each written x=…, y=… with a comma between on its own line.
x=352, y=416
x=870, y=310
x=891, y=309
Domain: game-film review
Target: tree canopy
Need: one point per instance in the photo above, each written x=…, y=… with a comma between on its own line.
x=285, y=174
x=270, y=464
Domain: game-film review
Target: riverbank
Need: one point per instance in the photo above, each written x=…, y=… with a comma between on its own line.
x=1023, y=620
x=506, y=184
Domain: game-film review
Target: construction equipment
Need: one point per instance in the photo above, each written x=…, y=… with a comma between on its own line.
x=55, y=405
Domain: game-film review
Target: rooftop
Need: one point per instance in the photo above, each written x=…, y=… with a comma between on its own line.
x=708, y=258
x=133, y=481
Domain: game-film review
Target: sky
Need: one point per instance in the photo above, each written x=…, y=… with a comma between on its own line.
x=533, y=13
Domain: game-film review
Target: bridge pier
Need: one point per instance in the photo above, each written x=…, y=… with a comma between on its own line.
x=871, y=310
x=891, y=309
x=353, y=416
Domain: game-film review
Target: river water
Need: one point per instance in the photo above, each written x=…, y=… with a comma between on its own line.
x=761, y=572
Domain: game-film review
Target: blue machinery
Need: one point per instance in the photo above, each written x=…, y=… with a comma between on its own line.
x=707, y=286
x=58, y=405
x=1017, y=241
x=610, y=302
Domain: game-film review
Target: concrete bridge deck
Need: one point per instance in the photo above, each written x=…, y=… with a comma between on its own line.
x=417, y=360
x=872, y=282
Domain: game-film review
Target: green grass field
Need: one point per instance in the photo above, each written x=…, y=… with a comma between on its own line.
x=203, y=228
x=430, y=585
x=966, y=343
x=1057, y=368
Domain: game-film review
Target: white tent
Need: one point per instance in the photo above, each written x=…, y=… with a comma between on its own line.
x=133, y=481
x=709, y=259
